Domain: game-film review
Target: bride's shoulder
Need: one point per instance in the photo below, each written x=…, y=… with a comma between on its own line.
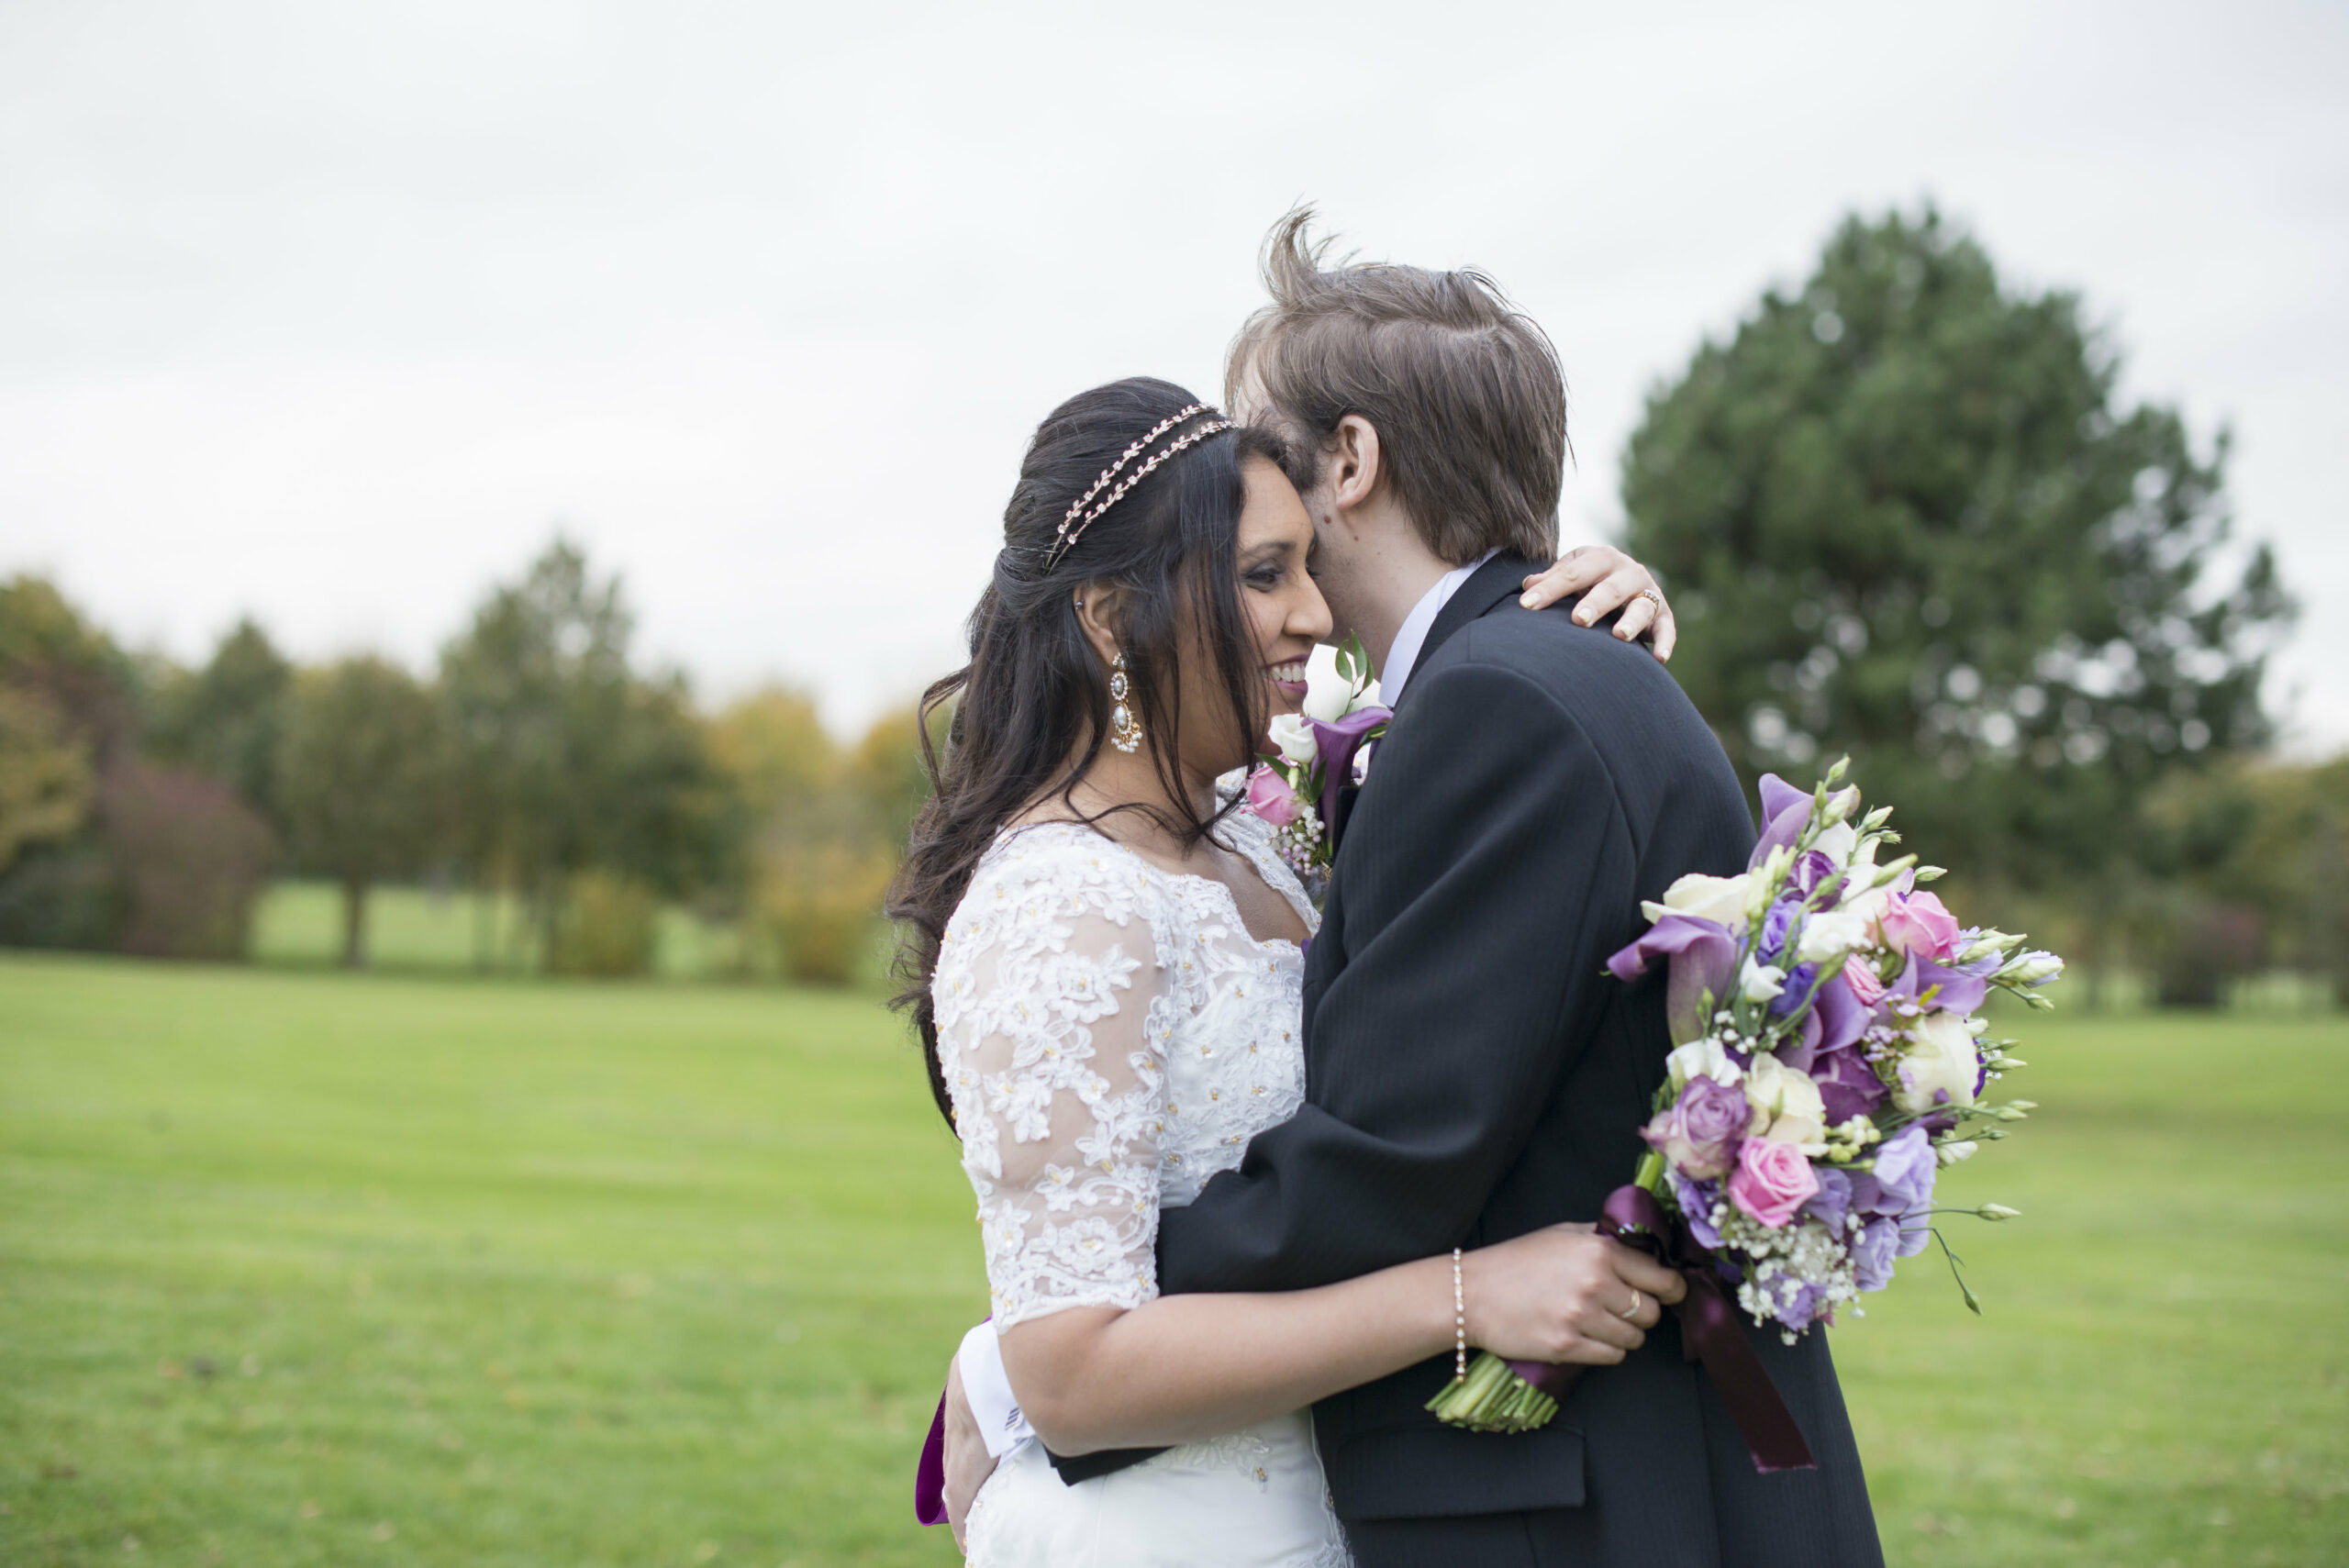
x=1052, y=868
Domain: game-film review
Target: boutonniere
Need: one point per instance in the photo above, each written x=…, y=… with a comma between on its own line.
x=1311, y=752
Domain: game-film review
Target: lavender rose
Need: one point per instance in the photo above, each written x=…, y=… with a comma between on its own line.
x=1772, y=1181
x=1699, y=1133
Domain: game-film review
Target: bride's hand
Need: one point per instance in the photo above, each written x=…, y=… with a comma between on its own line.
x=1607, y=580
x=1564, y=1295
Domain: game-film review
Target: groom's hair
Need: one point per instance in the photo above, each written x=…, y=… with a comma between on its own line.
x=1462, y=388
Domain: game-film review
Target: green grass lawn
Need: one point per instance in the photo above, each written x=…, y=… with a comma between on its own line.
x=311, y=1268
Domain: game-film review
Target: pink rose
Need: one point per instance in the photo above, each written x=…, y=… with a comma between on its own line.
x=1772, y=1181
x=1270, y=797
x=1915, y=922
x=1860, y=976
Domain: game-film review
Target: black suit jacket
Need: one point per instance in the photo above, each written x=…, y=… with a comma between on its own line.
x=1473, y=1073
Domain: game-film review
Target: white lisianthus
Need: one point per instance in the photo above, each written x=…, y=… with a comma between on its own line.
x=1951, y=1153
x=1366, y=698
x=1837, y=843
x=2033, y=969
x=1983, y=946
x=1786, y=1107
x=1941, y=1061
x=1327, y=692
x=1760, y=981
x=1721, y=899
x=1700, y=1059
x=1830, y=935
x=1870, y=887
x=1294, y=736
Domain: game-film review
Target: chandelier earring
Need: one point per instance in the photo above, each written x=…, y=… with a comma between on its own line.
x=1125, y=730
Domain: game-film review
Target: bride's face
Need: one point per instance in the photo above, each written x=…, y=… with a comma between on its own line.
x=1285, y=615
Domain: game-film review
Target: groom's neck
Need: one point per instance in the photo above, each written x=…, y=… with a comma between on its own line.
x=1390, y=584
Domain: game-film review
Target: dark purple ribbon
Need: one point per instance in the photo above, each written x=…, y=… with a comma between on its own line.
x=930, y=1472
x=1709, y=1332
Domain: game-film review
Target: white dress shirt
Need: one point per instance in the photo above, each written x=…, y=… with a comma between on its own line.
x=1412, y=634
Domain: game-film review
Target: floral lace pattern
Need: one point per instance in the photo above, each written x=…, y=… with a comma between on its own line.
x=1111, y=1038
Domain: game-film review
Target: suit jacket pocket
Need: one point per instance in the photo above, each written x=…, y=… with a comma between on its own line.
x=1438, y=1472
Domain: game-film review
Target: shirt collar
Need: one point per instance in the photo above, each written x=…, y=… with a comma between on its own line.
x=1412, y=634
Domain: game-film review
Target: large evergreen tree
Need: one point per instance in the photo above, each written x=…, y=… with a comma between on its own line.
x=1904, y=513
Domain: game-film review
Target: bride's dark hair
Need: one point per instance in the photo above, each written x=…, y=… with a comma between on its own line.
x=1035, y=690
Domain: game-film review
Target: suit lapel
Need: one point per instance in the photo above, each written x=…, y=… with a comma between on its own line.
x=1502, y=577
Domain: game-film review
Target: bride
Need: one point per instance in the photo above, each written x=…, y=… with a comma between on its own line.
x=1105, y=962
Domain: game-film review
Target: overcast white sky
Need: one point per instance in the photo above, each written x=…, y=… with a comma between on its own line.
x=330, y=312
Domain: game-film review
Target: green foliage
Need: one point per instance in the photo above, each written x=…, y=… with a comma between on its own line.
x=189, y=858
x=45, y=775
x=229, y=717
x=360, y=779
x=582, y=1276
x=2247, y=864
x=564, y=759
x=607, y=928
x=1904, y=514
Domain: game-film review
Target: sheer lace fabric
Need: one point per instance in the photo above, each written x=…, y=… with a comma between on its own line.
x=1111, y=1038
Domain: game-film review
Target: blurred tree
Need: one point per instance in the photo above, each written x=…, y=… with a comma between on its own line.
x=360, y=779
x=45, y=774
x=1904, y=514
x=564, y=759
x=71, y=721
x=228, y=717
x=188, y=856
x=885, y=770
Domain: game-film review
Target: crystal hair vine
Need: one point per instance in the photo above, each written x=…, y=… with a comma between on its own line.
x=1078, y=518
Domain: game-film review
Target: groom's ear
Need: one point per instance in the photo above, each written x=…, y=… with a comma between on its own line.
x=1353, y=466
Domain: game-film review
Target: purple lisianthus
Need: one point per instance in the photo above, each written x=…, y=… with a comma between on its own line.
x=1872, y=1250
x=1699, y=1133
x=1848, y=1084
x=1799, y=1311
x=1832, y=1202
x=1696, y=1200
x=1797, y=991
x=1900, y=1186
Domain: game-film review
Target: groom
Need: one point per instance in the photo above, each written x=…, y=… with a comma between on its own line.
x=1472, y=1074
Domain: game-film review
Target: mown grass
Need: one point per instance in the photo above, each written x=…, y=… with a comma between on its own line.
x=314, y=1269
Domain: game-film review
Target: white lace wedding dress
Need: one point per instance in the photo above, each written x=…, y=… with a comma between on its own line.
x=1112, y=1037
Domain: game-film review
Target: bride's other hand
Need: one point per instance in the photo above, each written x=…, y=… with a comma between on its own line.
x=1607, y=580
x=1564, y=1293
x=968, y=1463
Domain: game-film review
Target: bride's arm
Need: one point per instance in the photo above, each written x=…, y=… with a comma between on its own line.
x=1182, y=1368
x=1054, y=1023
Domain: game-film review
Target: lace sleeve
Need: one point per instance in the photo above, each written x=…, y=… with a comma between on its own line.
x=1052, y=1024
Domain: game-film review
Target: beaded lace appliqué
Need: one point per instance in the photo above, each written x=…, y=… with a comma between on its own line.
x=1111, y=1038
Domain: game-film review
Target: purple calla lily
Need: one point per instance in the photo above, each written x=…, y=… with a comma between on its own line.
x=1703, y=955
x=1339, y=742
x=1785, y=809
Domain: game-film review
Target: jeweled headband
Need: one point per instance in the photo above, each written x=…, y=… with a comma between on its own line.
x=1078, y=518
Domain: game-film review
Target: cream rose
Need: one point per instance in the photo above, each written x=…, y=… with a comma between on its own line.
x=1294, y=736
x=1721, y=899
x=1786, y=1107
x=1941, y=1061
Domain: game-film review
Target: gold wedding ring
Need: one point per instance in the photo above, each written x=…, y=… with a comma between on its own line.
x=1652, y=596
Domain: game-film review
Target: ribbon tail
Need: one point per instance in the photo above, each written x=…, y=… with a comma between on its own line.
x=930, y=1472
x=1710, y=1334
x=1552, y=1378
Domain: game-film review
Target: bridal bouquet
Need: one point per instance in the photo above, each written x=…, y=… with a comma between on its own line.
x=1310, y=749
x=1829, y=1063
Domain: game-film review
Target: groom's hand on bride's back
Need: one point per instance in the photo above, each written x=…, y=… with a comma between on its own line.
x=1564, y=1294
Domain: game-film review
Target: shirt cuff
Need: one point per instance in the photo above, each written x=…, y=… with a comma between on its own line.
x=984, y=1385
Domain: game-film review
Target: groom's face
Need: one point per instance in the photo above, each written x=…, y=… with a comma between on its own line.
x=1335, y=551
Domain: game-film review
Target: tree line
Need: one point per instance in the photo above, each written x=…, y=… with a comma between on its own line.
x=144, y=805
x=1904, y=511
